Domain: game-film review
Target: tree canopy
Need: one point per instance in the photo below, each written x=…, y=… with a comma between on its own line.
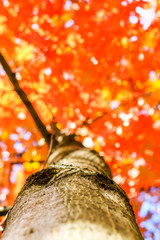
x=93, y=67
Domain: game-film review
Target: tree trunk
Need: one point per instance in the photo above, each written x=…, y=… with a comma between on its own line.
x=74, y=198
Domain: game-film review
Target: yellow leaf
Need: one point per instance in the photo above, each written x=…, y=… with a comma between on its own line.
x=36, y=157
x=24, y=52
x=3, y=26
x=118, y=170
x=150, y=38
x=19, y=181
x=59, y=125
x=124, y=95
x=99, y=114
x=54, y=110
x=139, y=84
x=71, y=112
x=28, y=166
x=127, y=161
x=55, y=18
x=115, y=166
x=155, y=85
x=125, y=42
x=59, y=51
x=71, y=40
x=68, y=49
x=114, y=10
x=66, y=17
x=97, y=145
x=35, y=165
x=106, y=93
x=4, y=135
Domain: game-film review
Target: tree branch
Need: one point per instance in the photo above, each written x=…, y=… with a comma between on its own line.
x=4, y=210
x=25, y=100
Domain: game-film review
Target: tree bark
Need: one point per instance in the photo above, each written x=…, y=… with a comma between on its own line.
x=73, y=198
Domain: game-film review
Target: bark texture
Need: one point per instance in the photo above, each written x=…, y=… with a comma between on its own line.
x=73, y=198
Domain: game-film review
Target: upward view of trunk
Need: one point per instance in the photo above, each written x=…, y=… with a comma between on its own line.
x=73, y=198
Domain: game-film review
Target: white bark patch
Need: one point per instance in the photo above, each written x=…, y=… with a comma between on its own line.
x=84, y=230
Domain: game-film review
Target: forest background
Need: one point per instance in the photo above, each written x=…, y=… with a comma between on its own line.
x=93, y=67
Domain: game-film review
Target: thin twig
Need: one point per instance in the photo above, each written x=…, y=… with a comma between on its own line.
x=89, y=121
x=25, y=100
x=4, y=210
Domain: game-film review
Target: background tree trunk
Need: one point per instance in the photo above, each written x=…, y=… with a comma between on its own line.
x=73, y=198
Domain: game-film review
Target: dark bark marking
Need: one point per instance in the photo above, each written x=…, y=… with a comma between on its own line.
x=42, y=177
